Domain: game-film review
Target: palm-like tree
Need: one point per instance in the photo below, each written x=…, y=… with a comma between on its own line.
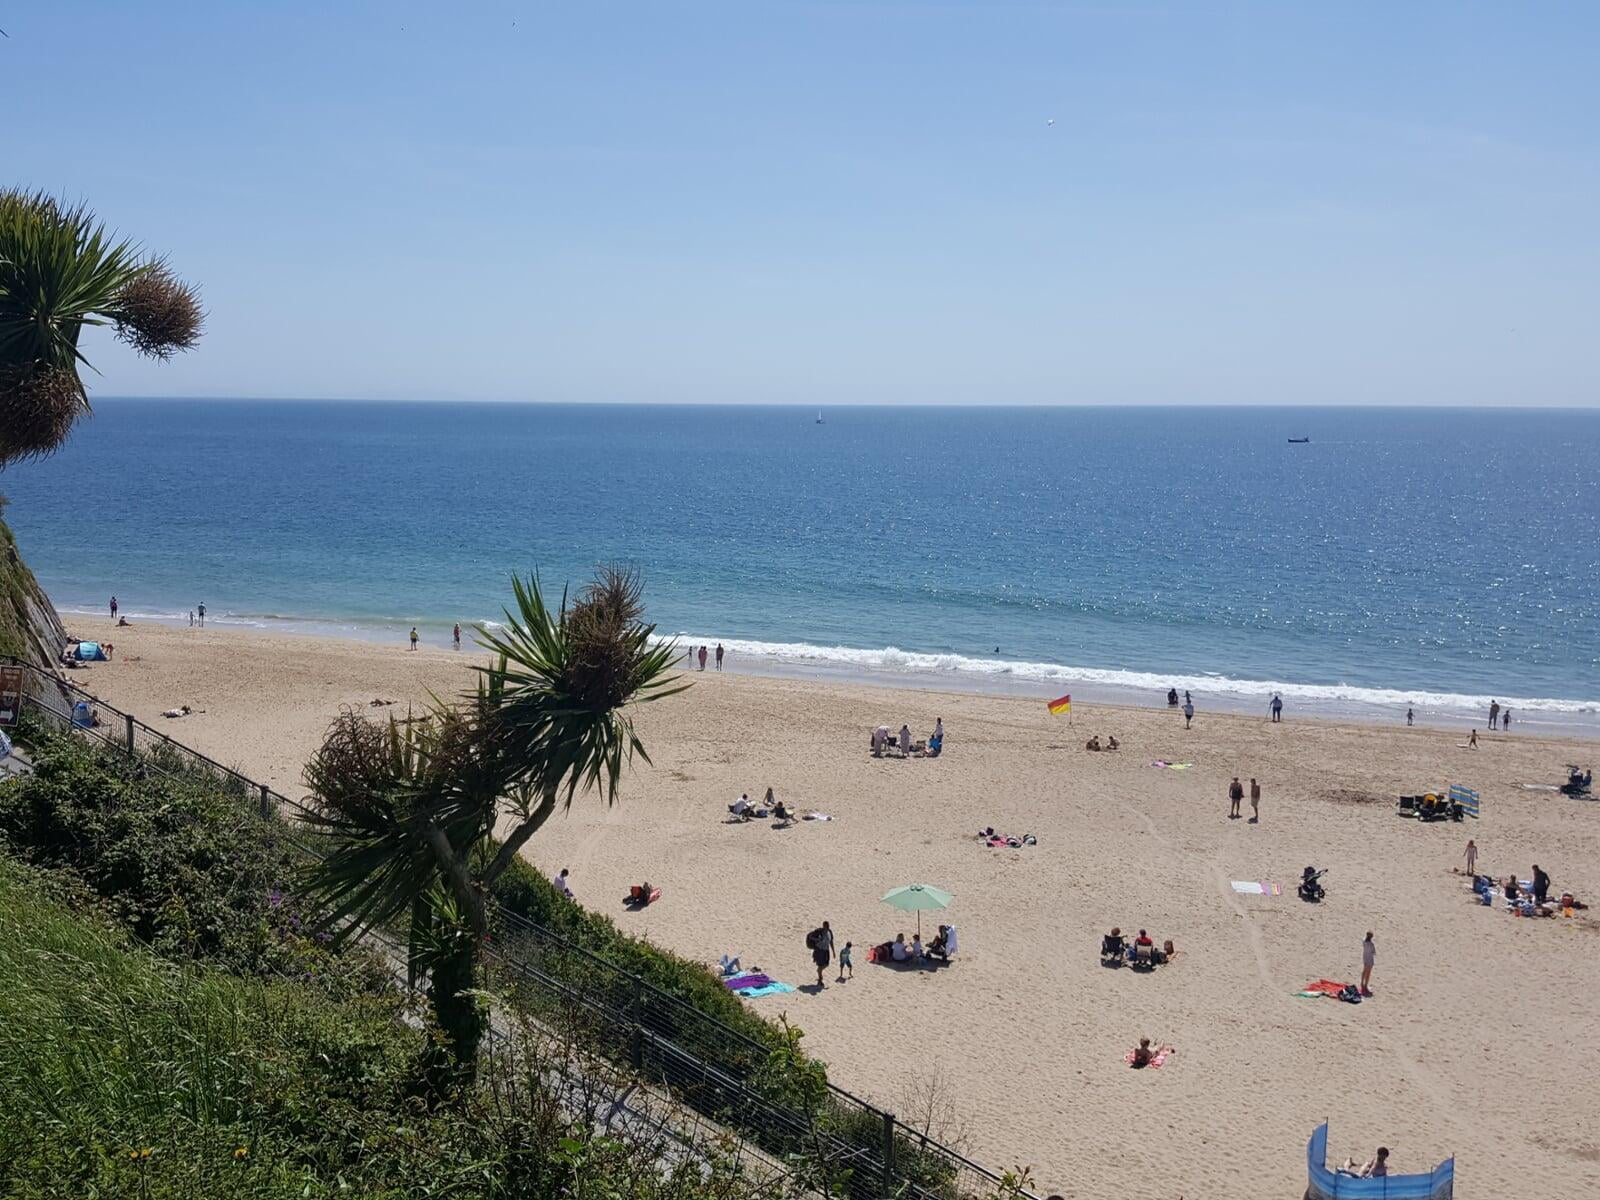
x=60, y=271
x=410, y=810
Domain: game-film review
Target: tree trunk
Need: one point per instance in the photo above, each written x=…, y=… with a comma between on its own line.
x=461, y=1018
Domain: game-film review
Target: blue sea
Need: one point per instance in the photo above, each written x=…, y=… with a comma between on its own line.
x=1426, y=557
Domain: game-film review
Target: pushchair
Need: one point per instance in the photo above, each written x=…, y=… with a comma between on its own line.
x=1578, y=782
x=1311, y=889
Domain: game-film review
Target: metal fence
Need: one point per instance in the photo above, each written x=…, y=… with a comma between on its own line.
x=842, y=1142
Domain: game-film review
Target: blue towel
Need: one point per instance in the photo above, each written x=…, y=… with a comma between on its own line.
x=769, y=989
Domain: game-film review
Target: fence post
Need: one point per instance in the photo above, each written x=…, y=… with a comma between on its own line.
x=266, y=803
x=636, y=1051
x=129, y=718
x=888, y=1153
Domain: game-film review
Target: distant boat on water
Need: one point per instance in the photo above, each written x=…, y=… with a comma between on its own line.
x=819, y=416
x=1298, y=441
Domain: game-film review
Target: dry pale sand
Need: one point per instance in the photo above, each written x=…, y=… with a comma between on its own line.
x=1479, y=1041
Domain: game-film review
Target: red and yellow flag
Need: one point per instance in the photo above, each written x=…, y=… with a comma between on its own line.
x=1063, y=705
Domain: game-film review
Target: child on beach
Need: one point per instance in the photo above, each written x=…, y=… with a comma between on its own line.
x=845, y=965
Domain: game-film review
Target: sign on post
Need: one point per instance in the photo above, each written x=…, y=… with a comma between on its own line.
x=10, y=695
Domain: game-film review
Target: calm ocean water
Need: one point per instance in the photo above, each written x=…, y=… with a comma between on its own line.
x=1413, y=556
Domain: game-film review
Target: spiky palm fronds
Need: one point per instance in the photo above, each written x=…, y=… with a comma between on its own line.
x=563, y=682
x=60, y=271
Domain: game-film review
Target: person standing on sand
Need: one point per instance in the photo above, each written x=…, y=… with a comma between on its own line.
x=820, y=940
x=1494, y=712
x=1411, y=717
x=1369, y=956
x=702, y=658
x=413, y=637
x=1473, y=740
x=457, y=635
x=1255, y=802
x=1188, y=711
x=845, y=964
x=719, y=656
x=1472, y=857
x=1505, y=720
x=113, y=608
x=1235, y=795
x=1277, y=708
x=201, y=610
x=191, y=618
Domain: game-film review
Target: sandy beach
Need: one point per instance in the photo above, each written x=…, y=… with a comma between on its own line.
x=1476, y=1043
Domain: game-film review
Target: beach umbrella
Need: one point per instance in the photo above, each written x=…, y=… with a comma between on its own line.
x=917, y=898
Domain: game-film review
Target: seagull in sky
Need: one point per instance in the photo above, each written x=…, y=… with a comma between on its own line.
x=1051, y=121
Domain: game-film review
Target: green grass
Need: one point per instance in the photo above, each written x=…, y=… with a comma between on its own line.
x=106, y=1051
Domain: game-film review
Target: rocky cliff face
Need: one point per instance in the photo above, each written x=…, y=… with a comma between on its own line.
x=29, y=627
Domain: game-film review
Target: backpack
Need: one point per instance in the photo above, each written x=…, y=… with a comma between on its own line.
x=813, y=939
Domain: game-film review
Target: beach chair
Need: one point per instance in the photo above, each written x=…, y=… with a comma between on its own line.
x=1112, y=947
x=1408, y=806
x=1143, y=957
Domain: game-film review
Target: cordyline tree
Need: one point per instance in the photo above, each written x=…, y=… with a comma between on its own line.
x=410, y=809
x=60, y=272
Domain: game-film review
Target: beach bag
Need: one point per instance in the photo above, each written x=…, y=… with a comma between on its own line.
x=813, y=939
x=1350, y=994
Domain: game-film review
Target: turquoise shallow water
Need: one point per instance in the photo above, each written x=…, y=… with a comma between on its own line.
x=1421, y=556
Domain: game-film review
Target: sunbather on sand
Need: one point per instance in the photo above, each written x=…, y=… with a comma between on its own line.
x=1144, y=1053
x=1374, y=1168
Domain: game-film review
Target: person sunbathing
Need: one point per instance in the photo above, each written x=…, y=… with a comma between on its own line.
x=1168, y=952
x=1374, y=1168
x=1144, y=1053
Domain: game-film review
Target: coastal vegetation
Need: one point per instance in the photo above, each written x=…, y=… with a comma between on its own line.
x=408, y=812
x=60, y=273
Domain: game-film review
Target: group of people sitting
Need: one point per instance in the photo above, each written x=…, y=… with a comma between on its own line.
x=1111, y=743
x=884, y=742
x=744, y=809
x=902, y=951
x=1142, y=950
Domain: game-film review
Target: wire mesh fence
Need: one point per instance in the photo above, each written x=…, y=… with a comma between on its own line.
x=840, y=1143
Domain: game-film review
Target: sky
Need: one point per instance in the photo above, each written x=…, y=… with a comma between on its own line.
x=838, y=202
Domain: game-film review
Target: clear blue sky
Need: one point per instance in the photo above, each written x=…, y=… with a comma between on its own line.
x=839, y=201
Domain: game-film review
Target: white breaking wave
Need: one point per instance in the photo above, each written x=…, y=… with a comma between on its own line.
x=892, y=662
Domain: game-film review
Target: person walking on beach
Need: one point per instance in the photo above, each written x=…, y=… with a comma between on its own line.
x=1369, y=956
x=820, y=942
x=1472, y=857
x=702, y=658
x=1473, y=740
x=1188, y=710
x=719, y=656
x=201, y=610
x=1411, y=717
x=845, y=964
x=1505, y=720
x=1255, y=802
x=191, y=618
x=1541, y=884
x=1494, y=713
x=1235, y=795
x=456, y=633
x=413, y=637
x=1277, y=708
x=113, y=608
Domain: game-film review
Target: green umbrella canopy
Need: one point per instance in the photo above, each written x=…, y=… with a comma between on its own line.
x=916, y=897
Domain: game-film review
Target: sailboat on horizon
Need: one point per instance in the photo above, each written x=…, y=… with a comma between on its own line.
x=819, y=416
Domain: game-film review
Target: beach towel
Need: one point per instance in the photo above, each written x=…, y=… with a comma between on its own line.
x=816, y=816
x=1251, y=887
x=1321, y=987
x=1171, y=766
x=740, y=982
x=767, y=989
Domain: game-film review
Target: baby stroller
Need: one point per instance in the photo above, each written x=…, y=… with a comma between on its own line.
x=1310, y=888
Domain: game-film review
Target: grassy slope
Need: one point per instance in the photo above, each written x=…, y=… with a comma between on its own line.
x=29, y=627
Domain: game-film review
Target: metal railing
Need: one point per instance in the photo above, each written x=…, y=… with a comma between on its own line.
x=844, y=1142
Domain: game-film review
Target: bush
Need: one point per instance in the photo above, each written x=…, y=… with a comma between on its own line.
x=123, y=1075
x=186, y=867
